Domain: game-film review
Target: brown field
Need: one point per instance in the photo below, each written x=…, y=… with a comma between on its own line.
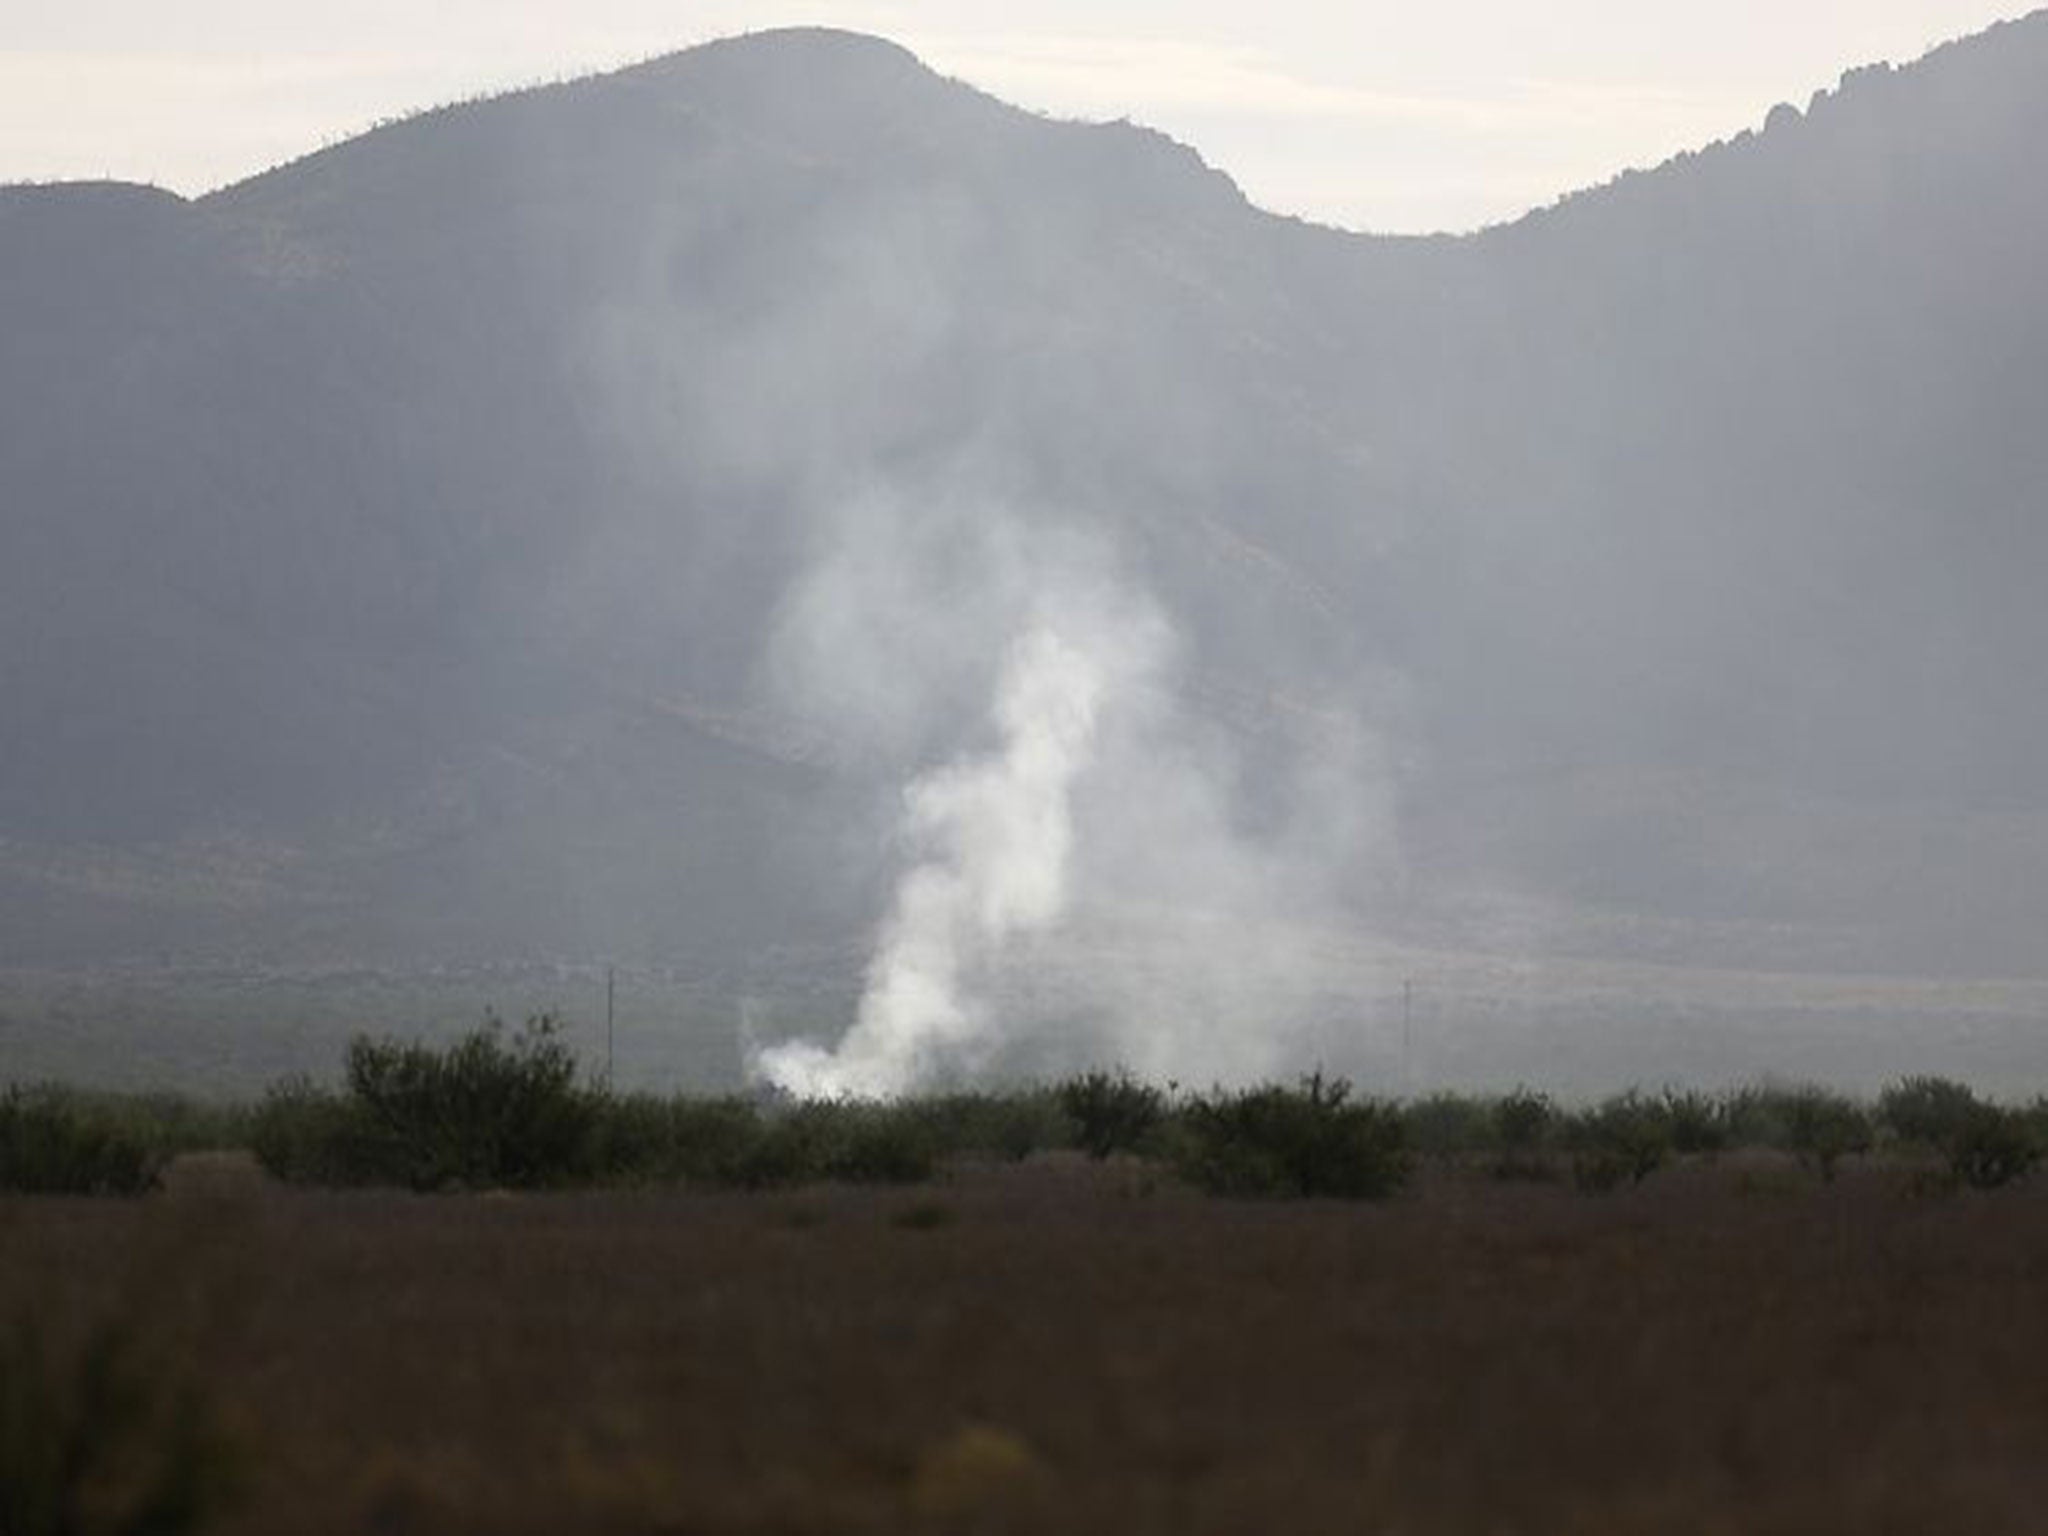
x=1731, y=1347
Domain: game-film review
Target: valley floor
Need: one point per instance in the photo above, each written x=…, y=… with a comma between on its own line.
x=1072, y=1347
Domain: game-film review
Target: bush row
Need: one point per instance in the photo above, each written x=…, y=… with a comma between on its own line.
x=503, y=1108
x=51, y=1144
x=498, y=1110
x=1630, y=1135
x=58, y=1140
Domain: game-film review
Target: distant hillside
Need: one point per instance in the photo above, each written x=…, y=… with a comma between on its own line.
x=461, y=542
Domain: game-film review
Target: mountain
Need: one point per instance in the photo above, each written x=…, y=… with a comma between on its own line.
x=563, y=523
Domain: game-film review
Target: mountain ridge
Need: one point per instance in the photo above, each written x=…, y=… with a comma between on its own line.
x=430, y=510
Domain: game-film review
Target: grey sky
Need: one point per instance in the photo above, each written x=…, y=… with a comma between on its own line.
x=1380, y=114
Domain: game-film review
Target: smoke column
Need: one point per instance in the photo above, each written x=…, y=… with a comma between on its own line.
x=997, y=835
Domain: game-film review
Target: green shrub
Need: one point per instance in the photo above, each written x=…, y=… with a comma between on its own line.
x=1522, y=1123
x=846, y=1140
x=1624, y=1137
x=50, y=1146
x=883, y=1144
x=1759, y=1115
x=1926, y=1111
x=1448, y=1125
x=306, y=1134
x=631, y=1140
x=645, y=1138
x=1697, y=1122
x=790, y=1147
x=1522, y=1119
x=1312, y=1141
x=1993, y=1147
x=483, y=1111
x=99, y=1441
x=1824, y=1127
x=735, y=1141
x=162, y=1124
x=1111, y=1111
x=1010, y=1126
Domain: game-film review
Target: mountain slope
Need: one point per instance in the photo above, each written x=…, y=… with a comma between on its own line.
x=436, y=537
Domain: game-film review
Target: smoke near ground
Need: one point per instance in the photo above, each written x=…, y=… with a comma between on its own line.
x=1080, y=879
x=998, y=833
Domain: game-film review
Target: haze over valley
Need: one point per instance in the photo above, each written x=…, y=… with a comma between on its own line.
x=930, y=592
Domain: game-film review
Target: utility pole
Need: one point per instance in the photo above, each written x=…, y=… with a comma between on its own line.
x=1408, y=1033
x=608, y=988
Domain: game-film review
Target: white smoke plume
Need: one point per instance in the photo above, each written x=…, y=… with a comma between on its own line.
x=1094, y=771
x=997, y=833
x=1089, y=870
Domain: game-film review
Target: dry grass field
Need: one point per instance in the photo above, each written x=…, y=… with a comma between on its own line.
x=1063, y=1346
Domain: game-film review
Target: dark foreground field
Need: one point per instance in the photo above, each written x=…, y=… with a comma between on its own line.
x=1732, y=1346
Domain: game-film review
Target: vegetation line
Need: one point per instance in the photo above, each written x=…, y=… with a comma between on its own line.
x=505, y=1108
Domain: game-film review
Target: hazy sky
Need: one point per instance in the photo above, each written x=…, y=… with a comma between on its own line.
x=1381, y=114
